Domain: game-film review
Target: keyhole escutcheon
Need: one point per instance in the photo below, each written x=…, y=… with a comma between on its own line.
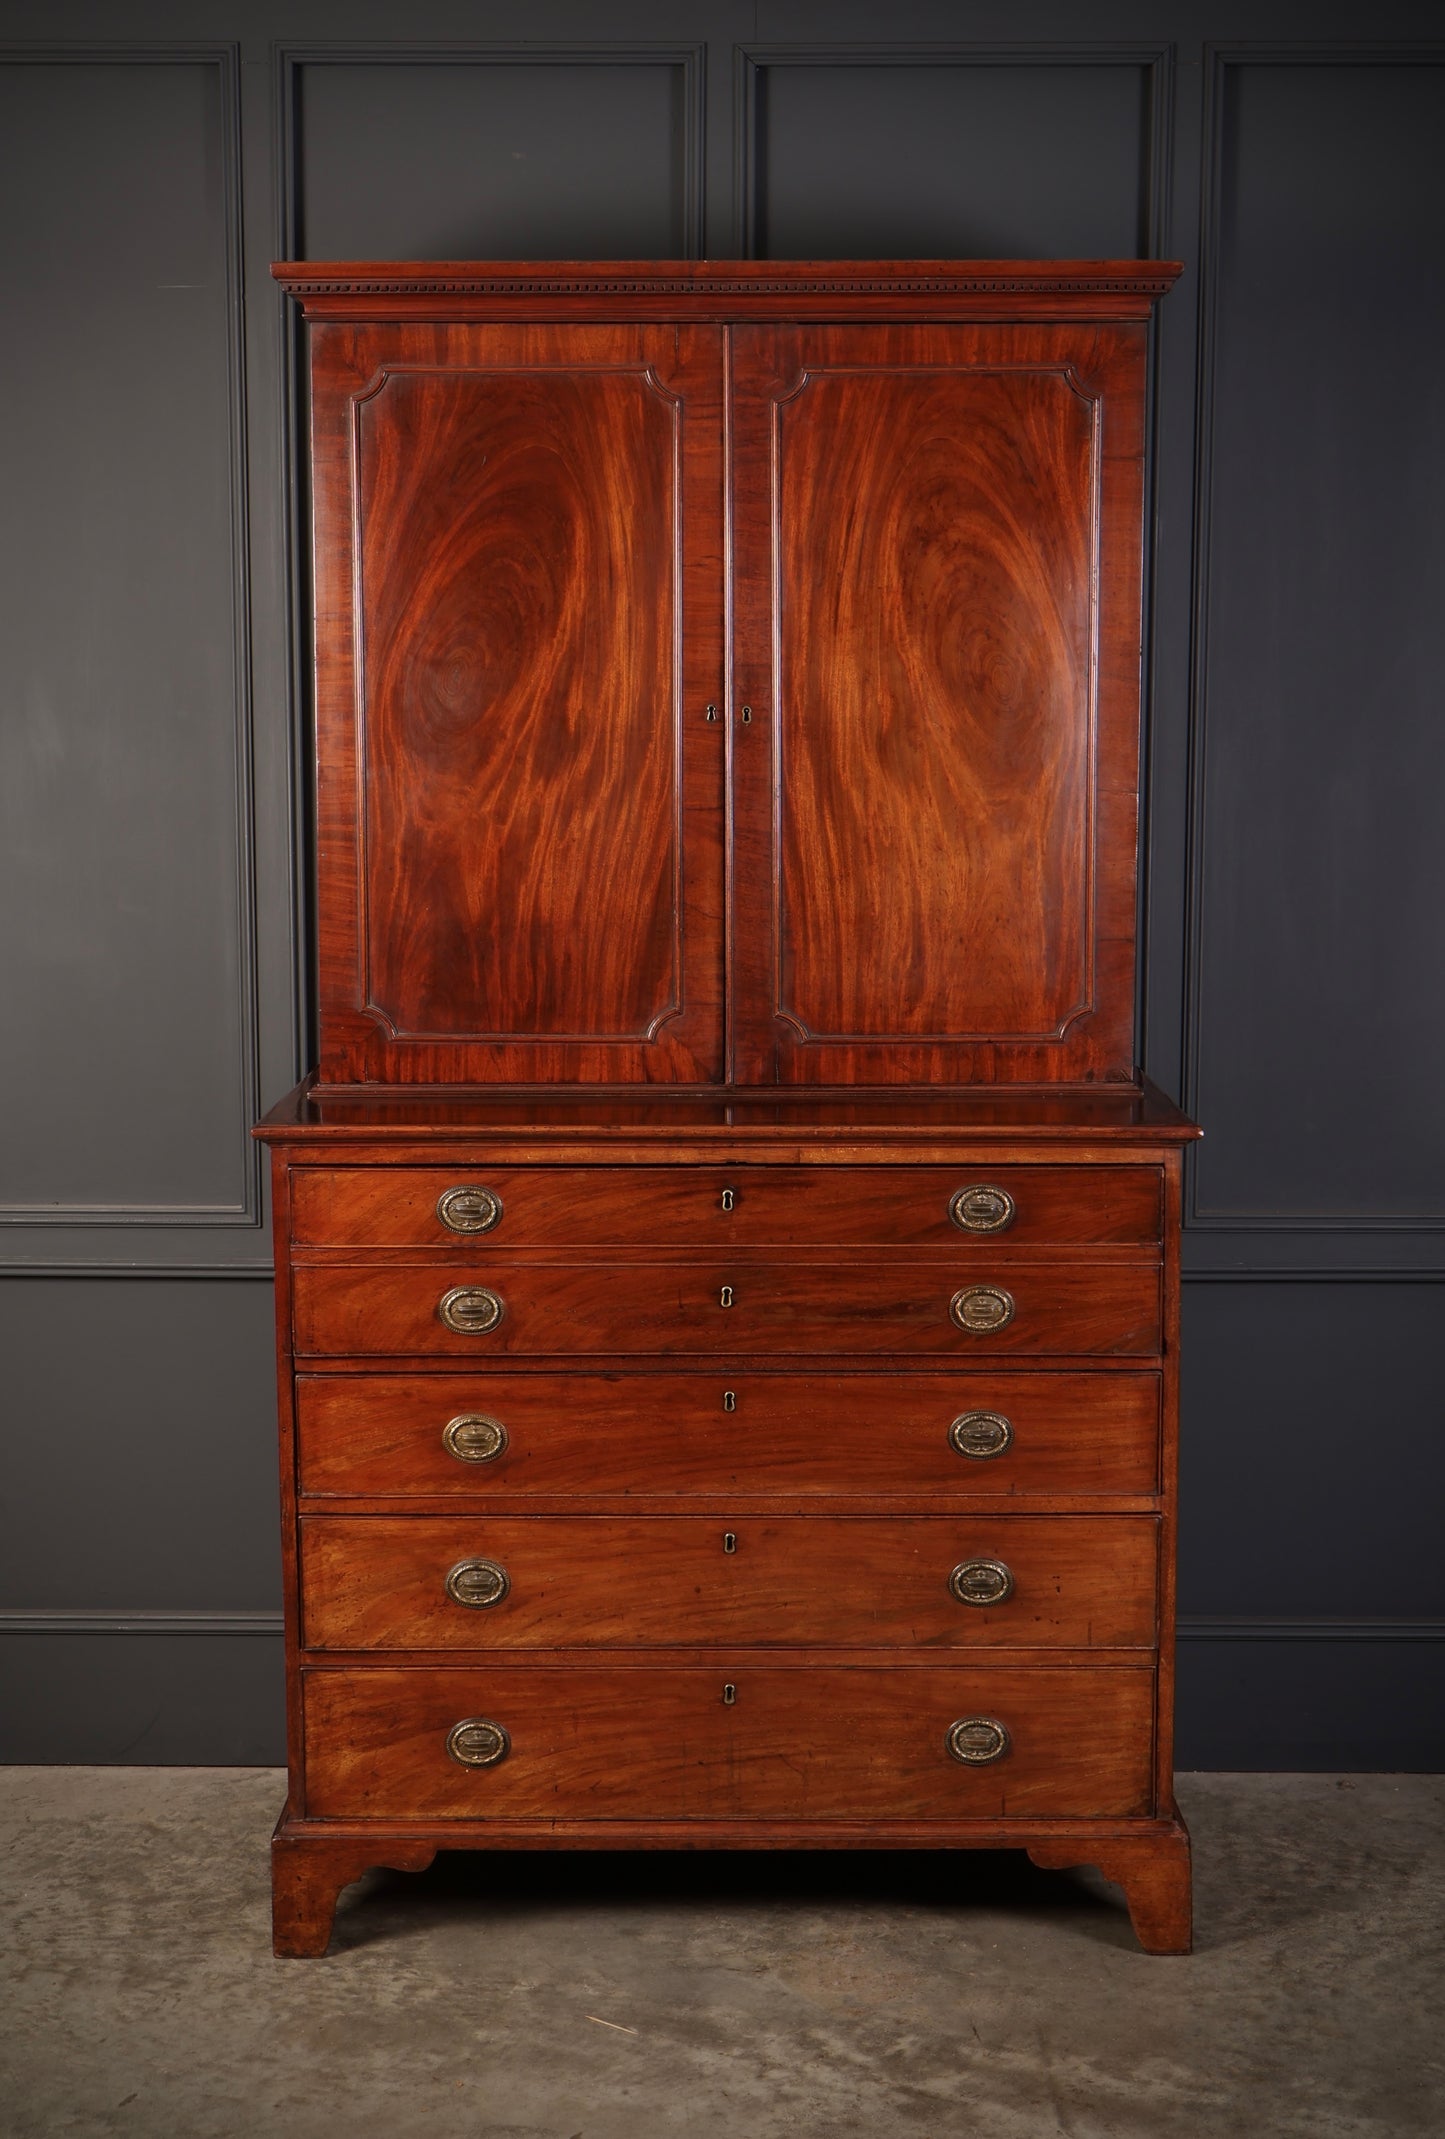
x=729, y=1198
x=730, y=1694
x=730, y=1399
x=725, y=1297
x=730, y=1541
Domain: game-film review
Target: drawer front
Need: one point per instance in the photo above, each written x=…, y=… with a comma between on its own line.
x=978, y=1581
x=725, y=1206
x=384, y=1436
x=535, y=1309
x=825, y=1742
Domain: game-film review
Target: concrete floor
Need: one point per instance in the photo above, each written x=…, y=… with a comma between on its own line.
x=716, y=1997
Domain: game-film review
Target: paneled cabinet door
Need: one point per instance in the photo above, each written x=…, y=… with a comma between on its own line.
x=519, y=599
x=937, y=600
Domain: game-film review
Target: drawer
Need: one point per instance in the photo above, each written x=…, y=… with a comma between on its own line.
x=725, y=1206
x=385, y=1436
x=536, y=1308
x=649, y=1743
x=402, y=1582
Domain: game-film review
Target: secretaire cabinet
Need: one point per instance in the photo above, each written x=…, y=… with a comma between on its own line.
x=727, y=1259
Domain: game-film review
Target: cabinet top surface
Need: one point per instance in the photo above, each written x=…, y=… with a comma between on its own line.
x=1125, y=1114
x=1114, y=289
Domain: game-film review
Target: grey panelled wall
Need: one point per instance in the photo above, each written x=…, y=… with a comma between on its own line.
x=154, y=793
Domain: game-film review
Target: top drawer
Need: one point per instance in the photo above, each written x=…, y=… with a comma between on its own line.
x=724, y=1206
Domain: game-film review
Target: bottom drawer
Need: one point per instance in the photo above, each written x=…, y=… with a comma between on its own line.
x=812, y=1741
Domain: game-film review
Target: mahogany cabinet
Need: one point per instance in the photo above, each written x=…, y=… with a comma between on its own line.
x=727, y=1261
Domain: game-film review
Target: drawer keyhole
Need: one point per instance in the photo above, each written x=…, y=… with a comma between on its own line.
x=730, y=1541
x=730, y=1399
x=729, y=1198
x=730, y=1694
x=725, y=1297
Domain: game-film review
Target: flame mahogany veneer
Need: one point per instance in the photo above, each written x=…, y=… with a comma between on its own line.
x=727, y=1262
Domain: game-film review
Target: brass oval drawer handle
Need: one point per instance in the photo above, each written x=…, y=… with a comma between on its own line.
x=982, y=1208
x=981, y=1309
x=981, y=1434
x=471, y=1310
x=469, y=1210
x=474, y=1438
x=976, y=1740
x=982, y=1582
x=478, y=1584
x=477, y=1742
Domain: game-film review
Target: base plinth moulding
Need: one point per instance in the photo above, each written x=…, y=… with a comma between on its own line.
x=311, y=1861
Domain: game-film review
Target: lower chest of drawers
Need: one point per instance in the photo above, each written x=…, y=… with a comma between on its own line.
x=800, y=1494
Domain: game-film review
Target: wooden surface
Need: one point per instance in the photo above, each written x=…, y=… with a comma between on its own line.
x=726, y=1206
x=903, y=792
x=968, y=1124
x=829, y=1742
x=308, y=1873
x=519, y=596
x=658, y=1581
x=518, y=549
x=876, y=839
x=936, y=798
x=714, y=1304
x=1155, y=1873
x=624, y=1434
x=726, y=289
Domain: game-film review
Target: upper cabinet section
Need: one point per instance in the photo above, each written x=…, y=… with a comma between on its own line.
x=728, y=673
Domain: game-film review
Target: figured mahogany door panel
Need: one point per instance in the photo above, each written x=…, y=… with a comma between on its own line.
x=937, y=541
x=394, y=1436
x=726, y=1206
x=823, y=1741
x=403, y=1582
x=496, y=1308
x=519, y=599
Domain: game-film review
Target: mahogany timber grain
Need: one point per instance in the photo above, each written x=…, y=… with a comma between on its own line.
x=379, y=1436
x=960, y=1125
x=844, y=1742
x=308, y=1873
x=936, y=797
x=1153, y=1870
x=596, y=1206
x=564, y=514
x=518, y=598
x=780, y=1305
x=378, y=1582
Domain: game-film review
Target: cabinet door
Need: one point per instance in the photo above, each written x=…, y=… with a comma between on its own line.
x=519, y=537
x=937, y=636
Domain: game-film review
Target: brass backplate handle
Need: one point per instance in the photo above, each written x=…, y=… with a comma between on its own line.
x=477, y=1742
x=471, y=1310
x=474, y=1438
x=982, y=1582
x=976, y=1740
x=981, y=1309
x=469, y=1209
x=478, y=1584
x=981, y=1434
x=982, y=1208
